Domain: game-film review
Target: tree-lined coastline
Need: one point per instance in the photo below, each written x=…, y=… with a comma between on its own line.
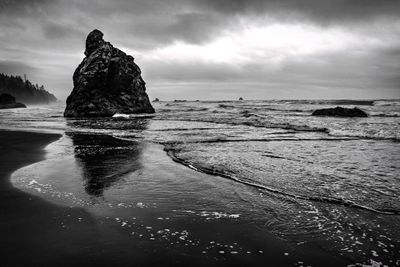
x=24, y=90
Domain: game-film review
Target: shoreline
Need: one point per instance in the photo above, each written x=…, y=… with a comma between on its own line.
x=30, y=226
x=42, y=233
x=171, y=153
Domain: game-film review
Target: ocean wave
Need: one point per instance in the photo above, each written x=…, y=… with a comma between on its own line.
x=211, y=171
x=238, y=140
x=329, y=102
x=130, y=116
x=256, y=107
x=335, y=129
x=386, y=115
x=225, y=106
x=197, y=109
x=287, y=110
x=387, y=103
x=264, y=124
x=288, y=126
x=338, y=133
x=348, y=102
x=257, y=123
x=277, y=109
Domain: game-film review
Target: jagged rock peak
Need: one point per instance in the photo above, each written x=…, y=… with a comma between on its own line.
x=93, y=41
x=107, y=82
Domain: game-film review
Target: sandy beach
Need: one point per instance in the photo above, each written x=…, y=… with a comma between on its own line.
x=30, y=226
x=45, y=234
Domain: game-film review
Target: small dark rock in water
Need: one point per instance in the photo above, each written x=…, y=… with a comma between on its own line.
x=340, y=112
x=246, y=113
x=240, y=98
x=178, y=100
x=156, y=100
x=106, y=82
x=8, y=101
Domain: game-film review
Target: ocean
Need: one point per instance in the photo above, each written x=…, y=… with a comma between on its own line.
x=329, y=181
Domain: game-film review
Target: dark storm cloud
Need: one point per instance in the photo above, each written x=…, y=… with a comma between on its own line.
x=191, y=27
x=13, y=7
x=154, y=22
x=318, y=10
x=196, y=21
x=322, y=10
x=45, y=39
x=151, y=23
x=378, y=69
x=54, y=30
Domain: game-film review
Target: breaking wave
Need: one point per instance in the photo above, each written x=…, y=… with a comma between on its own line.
x=387, y=103
x=336, y=201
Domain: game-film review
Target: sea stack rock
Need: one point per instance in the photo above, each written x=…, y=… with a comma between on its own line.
x=106, y=82
x=340, y=112
x=8, y=101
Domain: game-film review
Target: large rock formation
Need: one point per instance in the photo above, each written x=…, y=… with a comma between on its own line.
x=106, y=82
x=340, y=112
x=8, y=101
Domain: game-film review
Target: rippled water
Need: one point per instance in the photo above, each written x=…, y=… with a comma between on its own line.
x=304, y=178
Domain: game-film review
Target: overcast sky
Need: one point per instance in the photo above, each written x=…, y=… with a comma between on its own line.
x=214, y=49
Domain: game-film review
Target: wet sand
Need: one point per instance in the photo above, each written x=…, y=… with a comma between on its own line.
x=35, y=232
x=30, y=227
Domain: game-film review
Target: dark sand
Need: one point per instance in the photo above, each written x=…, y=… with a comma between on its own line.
x=30, y=227
x=36, y=233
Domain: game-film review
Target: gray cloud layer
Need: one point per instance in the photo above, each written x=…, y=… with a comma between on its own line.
x=45, y=39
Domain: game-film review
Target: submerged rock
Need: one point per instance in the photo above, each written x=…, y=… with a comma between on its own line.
x=8, y=101
x=106, y=82
x=340, y=112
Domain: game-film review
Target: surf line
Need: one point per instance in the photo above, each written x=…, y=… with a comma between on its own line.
x=172, y=155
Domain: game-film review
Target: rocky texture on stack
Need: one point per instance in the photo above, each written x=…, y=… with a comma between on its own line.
x=8, y=101
x=106, y=82
x=340, y=112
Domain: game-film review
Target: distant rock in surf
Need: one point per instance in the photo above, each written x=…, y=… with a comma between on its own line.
x=246, y=113
x=340, y=112
x=106, y=82
x=240, y=98
x=8, y=101
x=156, y=100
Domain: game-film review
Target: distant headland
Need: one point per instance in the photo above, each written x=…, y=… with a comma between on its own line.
x=24, y=91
